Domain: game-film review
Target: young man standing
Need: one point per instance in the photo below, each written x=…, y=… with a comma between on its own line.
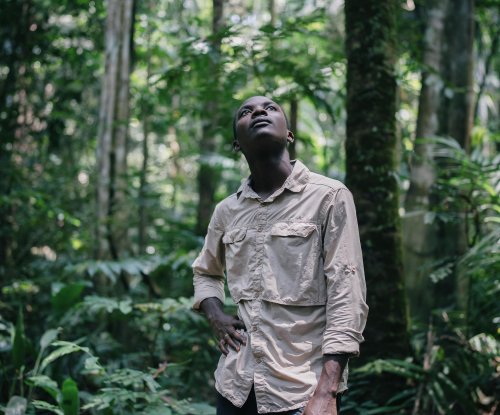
x=289, y=244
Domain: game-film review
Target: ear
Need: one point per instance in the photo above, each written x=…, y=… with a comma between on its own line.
x=236, y=146
x=290, y=137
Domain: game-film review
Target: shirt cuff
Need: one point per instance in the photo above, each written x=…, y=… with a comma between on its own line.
x=205, y=287
x=342, y=342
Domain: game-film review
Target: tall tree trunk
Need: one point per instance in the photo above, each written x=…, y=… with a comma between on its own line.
x=15, y=19
x=143, y=179
x=419, y=233
x=495, y=36
x=208, y=174
x=457, y=109
x=111, y=232
x=272, y=13
x=371, y=169
x=456, y=118
x=445, y=109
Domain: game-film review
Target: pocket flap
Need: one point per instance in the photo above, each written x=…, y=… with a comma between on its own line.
x=293, y=229
x=234, y=235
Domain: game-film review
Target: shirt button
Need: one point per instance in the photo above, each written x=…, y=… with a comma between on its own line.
x=258, y=360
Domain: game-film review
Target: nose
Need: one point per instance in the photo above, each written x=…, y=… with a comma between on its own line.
x=258, y=111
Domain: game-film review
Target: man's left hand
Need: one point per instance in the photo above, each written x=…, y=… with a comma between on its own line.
x=321, y=404
x=324, y=399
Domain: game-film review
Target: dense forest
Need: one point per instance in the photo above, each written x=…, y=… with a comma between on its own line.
x=116, y=144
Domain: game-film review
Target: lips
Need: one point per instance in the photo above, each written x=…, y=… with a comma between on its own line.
x=259, y=122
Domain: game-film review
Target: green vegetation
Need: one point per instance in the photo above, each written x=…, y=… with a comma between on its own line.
x=107, y=179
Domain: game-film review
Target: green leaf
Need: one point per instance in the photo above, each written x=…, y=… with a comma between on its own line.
x=48, y=337
x=64, y=349
x=45, y=383
x=67, y=297
x=47, y=407
x=70, y=401
x=16, y=406
x=92, y=365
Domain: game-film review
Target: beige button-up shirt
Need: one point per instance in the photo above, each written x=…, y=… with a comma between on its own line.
x=294, y=267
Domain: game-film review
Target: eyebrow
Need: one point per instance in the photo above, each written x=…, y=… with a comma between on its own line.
x=248, y=106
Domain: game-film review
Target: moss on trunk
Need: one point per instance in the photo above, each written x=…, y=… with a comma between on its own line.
x=371, y=169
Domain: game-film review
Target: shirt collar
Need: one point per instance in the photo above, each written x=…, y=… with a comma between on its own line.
x=295, y=182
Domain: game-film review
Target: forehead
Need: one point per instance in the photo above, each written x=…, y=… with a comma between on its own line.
x=257, y=100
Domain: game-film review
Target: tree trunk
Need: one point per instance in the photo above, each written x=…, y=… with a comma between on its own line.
x=495, y=36
x=419, y=233
x=143, y=178
x=272, y=13
x=371, y=169
x=14, y=60
x=456, y=119
x=445, y=109
x=113, y=129
x=208, y=173
x=457, y=109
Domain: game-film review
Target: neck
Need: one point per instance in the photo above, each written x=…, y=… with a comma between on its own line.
x=269, y=173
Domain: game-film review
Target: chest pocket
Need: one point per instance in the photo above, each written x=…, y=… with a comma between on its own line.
x=294, y=265
x=302, y=230
x=238, y=251
x=235, y=235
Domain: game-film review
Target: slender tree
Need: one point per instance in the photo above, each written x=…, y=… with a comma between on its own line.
x=456, y=117
x=145, y=109
x=208, y=174
x=445, y=109
x=111, y=154
x=419, y=233
x=371, y=168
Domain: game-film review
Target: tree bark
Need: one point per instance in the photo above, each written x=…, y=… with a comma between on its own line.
x=445, y=109
x=495, y=36
x=457, y=109
x=456, y=120
x=371, y=169
x=111, y=232
x=420, y=234
x=209, y=174
x=143, y=179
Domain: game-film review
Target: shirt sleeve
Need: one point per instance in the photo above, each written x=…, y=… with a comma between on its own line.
x=346, y=308
x=208, y=267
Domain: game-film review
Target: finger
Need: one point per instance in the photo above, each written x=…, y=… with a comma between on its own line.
x=238, y=324
x=230, y=341
x=223, y=348
x=240, y=337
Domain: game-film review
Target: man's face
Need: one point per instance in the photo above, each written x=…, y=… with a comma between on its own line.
x=261, y=127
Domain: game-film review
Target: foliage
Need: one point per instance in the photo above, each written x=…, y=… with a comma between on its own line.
x=454, y=366
x=119, y=336
x=170, y=334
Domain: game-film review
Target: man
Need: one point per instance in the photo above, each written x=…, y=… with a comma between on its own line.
x=288, y=241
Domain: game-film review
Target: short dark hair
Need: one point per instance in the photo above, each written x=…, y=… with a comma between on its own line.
x=235, y=118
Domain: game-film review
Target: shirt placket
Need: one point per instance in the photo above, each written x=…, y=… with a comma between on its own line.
x=258, y=343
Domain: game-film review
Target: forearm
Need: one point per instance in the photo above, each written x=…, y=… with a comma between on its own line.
x=212, y=307
x=331, y=375
x=323, y=401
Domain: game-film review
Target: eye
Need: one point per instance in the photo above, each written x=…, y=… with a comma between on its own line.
x=244, y=112
x=271, y=107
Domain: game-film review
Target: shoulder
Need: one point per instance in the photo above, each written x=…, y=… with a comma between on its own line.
x=325, y=183
x=223, y=209
x=226, y=203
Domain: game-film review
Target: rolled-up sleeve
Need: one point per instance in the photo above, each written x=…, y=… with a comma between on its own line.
x=208, y=267
x=346, y=308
